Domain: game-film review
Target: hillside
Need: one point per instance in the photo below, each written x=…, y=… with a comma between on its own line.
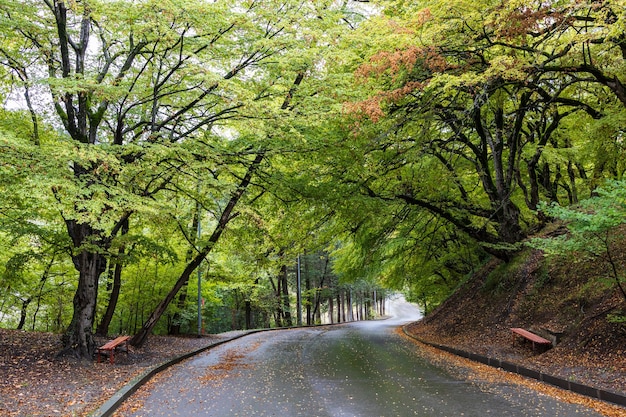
x=561, y=298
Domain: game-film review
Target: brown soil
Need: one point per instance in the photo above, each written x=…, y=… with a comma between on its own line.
x=546, y=299
x=34, y=382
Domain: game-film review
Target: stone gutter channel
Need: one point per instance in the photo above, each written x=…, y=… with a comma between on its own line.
x=596, y=393
x=112, y=404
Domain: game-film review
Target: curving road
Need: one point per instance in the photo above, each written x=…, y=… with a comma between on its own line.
x=356, y=369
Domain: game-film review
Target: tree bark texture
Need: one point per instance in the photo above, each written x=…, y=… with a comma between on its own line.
x=78, y=337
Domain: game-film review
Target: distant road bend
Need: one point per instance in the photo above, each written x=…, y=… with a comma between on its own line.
x=357, y=369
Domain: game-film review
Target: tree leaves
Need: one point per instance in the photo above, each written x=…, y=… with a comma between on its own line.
x=594, y=228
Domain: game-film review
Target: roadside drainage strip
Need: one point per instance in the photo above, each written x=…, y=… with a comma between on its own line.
x=596, y=393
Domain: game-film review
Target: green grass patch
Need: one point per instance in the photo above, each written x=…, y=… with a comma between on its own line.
x=503, y=278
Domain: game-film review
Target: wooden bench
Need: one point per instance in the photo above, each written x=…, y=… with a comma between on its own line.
x=535, y=339
x=111, y=346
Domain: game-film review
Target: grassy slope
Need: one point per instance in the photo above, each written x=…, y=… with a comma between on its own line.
x=561, y=296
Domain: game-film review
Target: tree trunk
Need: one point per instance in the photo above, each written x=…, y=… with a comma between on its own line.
x=248, y=315
x=349, y=305
x=331, y=309
x=250, y=323
x=105, y=322
x=364, y=306
x=286, y=307
x=307, y=288
x=278, y=311
x=317, y=311
x=42, y=283
x=25, y=304
x=509, y=230
x=78, y=338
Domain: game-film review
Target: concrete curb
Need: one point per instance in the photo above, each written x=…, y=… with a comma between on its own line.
x=112, y=404
x=596, y=393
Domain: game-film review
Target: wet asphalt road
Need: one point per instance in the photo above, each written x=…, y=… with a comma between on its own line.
x=357, y=369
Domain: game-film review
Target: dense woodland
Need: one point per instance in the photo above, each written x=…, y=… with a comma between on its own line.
x=355, y=147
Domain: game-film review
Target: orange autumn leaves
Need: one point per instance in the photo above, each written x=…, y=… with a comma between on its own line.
x=411, y=68
x=395, y=66
x=529, y=22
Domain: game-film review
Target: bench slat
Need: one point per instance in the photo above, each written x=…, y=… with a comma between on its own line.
x=114, y=343
x=535, y=339
x=111, y=346
x=531, y=336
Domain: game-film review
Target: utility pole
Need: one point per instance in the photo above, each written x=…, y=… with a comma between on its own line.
x=199, y=281
x=299, y=294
